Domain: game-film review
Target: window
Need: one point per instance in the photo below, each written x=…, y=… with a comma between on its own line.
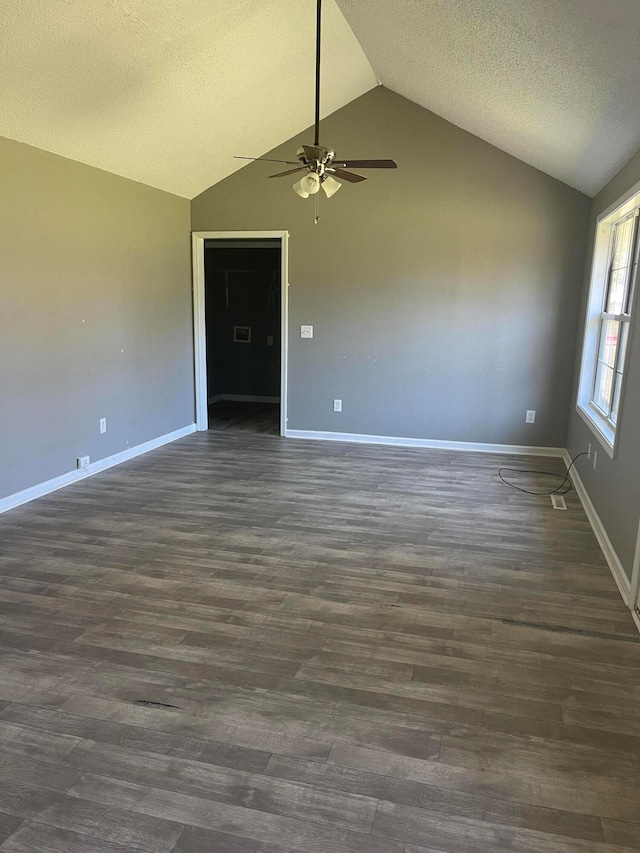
x=613, y=277
x=614, y=318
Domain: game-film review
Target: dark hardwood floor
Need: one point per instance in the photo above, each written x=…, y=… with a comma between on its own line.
x=244, y=644
x=230, y=416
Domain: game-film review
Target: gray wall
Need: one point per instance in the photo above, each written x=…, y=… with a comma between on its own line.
x=614, y=487
x=95, y=314
x=444, y=295
x=251, y=369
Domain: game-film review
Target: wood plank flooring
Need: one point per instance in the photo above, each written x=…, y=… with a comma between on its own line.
x=244, y=644
x=232, y=416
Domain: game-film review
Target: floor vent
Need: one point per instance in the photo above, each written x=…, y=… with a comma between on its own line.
x=558, y=502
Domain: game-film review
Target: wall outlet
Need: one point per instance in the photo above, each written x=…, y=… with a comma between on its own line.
x=103, y=425
x=595, y=459
x=306, y=331
x=337, y=405
x=83, y=462
x=589, y=451
x=269, y=340
x=531, y=416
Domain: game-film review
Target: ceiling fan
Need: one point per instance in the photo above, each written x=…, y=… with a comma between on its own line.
x=320, y=164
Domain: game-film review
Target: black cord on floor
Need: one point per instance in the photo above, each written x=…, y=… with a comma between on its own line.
x=558, y=491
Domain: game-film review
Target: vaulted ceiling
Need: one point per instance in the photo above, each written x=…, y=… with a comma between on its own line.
x=167, y=91
x=556, y=83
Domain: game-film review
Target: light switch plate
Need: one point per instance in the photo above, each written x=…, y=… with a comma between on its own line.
x=269, y=340
x=306, y=331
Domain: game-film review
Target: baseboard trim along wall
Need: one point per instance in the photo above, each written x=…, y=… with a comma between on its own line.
x=70, y=477
x=619, y=575
x=434, y=444
x=242, y=398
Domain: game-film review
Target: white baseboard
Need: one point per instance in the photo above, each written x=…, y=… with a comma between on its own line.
x=37, y=491
x=433, y=444
x=63, y=480
x=139, y=449
x=243, y=398
x=619, y=575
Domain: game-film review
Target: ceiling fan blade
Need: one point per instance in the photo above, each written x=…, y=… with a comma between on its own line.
x=267, y=160
x=313, y=152
x=368, y=164
x=288, y=172
x=348, y=176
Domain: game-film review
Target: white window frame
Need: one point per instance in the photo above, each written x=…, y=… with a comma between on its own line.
x=602, y=426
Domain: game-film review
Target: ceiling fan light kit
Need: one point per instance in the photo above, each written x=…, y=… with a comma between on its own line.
x=318, y=162
x=330, y=186
x=309, y=185
x=298, y=188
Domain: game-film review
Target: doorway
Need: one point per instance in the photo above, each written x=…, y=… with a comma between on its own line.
x=240, y=331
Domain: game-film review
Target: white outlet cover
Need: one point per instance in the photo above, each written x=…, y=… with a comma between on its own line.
x=531, y=416
x=337, y=405
x=103, y=425
x=306, y=331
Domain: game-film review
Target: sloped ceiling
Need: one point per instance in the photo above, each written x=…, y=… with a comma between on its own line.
x=167, y=91
x=556, y=83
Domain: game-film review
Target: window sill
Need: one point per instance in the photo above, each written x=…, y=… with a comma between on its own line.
x=599, y=426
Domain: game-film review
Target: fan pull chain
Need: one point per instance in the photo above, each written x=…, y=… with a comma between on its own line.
x=317, y=201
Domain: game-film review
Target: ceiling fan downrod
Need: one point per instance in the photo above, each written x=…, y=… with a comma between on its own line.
x=318, y=31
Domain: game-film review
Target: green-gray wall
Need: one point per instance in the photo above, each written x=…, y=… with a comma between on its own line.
x=614, y=487
x=95, y=315
x=444, y=295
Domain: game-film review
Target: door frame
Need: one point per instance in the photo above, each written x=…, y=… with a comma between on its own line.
x=198, y=239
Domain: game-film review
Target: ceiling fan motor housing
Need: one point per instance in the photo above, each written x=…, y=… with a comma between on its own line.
x=323, y=156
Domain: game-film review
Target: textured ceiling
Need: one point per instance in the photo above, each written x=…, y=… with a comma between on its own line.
x=167, y=91
x=554, y=82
